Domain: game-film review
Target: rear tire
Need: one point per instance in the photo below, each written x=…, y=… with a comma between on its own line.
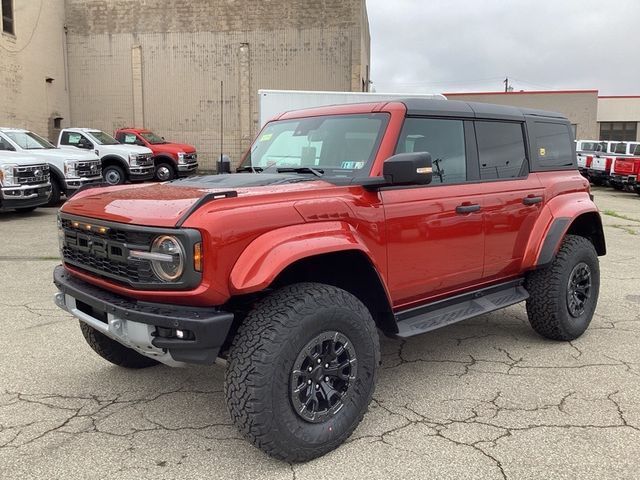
x=113, y=175
x=564, y=295
x=113, y=351
x=597, y=182
x=617, y=186
x=279, y=406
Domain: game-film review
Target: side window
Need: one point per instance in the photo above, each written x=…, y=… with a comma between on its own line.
x=444, y=140
x=128, y=138
x=75, y=140
x=5, y=145
x=553, y=143
x=501, y=150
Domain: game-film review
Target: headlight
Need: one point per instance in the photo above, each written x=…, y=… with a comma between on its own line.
x=133, y=159
x=6, y=174
x=70, y=168
x=181, y=157
x=171, y=265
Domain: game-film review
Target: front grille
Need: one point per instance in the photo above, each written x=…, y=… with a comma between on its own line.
x=190, y=157
x=108, y=254
x=145, y=159
x=88, y=169
x=103, y=249
x=31, y=175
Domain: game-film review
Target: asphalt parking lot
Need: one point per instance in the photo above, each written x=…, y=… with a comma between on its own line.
x=485, y=398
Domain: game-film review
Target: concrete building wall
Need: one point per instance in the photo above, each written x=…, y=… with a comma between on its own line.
x=620, y=109
x=36, y=52
x=580, y=106
x=160, y=63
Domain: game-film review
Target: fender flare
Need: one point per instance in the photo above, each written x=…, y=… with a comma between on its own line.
x=269, y=254
x=56, y=174
x=111, y=158
x=555, y=220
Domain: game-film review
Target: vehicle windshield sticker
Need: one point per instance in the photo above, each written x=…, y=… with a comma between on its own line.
x=543, y=151
x=74, y=137
x=266, y=137
x=352, y=165
x=129, y=138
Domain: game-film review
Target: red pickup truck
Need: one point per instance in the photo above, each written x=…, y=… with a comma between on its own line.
x=171, y=159
x=625, y=173
x=399, y=217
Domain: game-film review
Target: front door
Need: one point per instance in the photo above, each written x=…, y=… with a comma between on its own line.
x=434, y=233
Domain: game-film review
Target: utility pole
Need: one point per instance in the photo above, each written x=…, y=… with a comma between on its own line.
x=506, y=85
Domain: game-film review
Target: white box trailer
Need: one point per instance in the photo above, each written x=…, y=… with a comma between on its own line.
x=271, y=103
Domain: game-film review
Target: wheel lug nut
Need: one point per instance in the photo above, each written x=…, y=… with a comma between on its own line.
x=317, y=387
x=310, y=369
x=309, y=382
x=326, y=365
x=326, y=379
x=319, y=361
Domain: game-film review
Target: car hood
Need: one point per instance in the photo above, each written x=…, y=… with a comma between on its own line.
x=124, y=149
x=163, y=205
x=174, y=148
x=61, y=154
x=20, y=158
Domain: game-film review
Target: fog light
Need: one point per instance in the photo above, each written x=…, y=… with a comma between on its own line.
x=180, y=334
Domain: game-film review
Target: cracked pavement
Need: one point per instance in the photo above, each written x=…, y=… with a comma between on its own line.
x=486, y=398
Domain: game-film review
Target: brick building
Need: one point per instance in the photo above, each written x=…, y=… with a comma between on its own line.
x=178, y=68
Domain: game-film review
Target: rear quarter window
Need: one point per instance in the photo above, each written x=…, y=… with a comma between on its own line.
x=554, y=148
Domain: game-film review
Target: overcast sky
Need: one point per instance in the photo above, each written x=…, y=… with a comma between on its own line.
x=472, y=45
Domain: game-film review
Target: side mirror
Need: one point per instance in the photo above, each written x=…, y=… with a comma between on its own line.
x=408, y=169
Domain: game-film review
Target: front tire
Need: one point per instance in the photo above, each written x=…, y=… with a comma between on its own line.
x=56, y=192
x=301, y=370
x=113, y=351
x=164, y=172
x=113, y=175
x=564, y=295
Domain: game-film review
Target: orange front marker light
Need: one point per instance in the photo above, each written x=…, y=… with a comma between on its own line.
x=197, y=257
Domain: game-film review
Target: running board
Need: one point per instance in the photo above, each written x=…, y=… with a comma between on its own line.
x=461, y=307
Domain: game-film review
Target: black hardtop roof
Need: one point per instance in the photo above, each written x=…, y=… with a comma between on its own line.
x=458, y=108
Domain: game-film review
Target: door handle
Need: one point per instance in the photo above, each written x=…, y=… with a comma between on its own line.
x=467, y=208
x=531, y=200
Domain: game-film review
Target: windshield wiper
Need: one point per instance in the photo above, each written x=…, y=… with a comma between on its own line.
x=316, y=171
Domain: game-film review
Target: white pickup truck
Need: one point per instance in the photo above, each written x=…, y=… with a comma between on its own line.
x=24, y=181
x=69, y=170
x=119, y=162
x=585, y=150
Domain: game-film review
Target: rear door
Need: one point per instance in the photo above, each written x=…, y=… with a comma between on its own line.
x=513, y=202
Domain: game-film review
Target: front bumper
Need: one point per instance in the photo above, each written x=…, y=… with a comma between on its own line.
x=73, y=184
x=186, y=169
x=140, y=174
x=139, y=325
x=25, y=196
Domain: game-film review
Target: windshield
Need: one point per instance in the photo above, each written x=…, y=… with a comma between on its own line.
x=152, y=138
x=29, y=140
x=103, y=138
x=337, y=145
x=590, y=147
x=620, y=148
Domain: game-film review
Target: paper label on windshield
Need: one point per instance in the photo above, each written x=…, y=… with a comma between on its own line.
x=352, y=165
x=266, y=137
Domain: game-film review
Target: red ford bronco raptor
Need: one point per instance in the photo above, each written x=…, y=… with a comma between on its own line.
x=395, y=217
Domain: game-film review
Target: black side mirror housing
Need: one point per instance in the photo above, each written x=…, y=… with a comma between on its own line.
x=408, y=169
